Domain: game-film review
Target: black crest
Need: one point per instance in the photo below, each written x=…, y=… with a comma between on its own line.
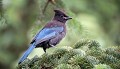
x=61, y=16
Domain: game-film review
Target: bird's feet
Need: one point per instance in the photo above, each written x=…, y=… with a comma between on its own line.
x=52, y=45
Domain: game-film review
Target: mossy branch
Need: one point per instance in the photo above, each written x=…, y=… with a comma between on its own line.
x=76, y=58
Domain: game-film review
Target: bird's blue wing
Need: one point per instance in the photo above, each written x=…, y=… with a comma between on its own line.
x=47, y=33
x=43, y=35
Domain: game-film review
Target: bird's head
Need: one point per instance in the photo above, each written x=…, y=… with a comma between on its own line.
x=61, y=16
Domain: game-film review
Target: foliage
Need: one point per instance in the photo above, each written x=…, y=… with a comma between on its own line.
x=75, y=58
x=93, y=20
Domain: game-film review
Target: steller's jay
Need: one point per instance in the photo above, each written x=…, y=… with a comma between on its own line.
x=51, y=34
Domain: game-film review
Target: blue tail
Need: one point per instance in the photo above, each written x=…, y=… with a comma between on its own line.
x=25, y=55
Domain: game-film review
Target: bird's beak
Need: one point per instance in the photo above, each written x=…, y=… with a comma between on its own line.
x=67, y=18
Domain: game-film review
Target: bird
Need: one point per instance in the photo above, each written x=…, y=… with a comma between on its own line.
x=50, y=35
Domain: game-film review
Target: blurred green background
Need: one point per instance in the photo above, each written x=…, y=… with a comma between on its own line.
x=20, y=20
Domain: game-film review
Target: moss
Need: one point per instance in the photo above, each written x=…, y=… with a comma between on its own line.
x=76, y=58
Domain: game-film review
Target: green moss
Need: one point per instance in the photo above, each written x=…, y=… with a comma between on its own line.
x=76, y=58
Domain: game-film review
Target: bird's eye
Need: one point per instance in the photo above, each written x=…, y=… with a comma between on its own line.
x=61, y=16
